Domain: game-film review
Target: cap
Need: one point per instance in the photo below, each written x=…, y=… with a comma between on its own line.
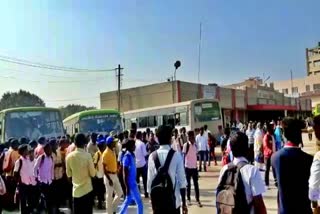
x=101, y=141
x=109, y=140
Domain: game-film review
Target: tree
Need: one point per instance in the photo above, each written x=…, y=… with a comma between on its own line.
x=68, y=110
x=20, y=99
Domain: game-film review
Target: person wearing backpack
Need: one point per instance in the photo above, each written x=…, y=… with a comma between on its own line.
x=190, y=163
x=27, y=185
x=44, y=172
x=166, y=177
x=240, y=185
x=129, y=177
x=99, y=188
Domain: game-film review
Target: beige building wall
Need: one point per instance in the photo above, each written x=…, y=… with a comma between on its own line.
x=140, y=97
x=189, y=91
x=240, y=99
x=226, y=98
x=313, y=60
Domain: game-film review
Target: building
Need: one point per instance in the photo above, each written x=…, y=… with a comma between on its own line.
x=236, y=104
x=313, y=60
x=252, y=82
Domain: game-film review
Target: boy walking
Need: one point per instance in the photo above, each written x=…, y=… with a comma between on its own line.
x=190, y=156
x=129, y=172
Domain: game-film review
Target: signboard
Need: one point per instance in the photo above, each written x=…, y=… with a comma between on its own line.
x=101, y=116
x=209, y=92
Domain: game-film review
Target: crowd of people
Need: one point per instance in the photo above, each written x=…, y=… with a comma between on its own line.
x=112, y=172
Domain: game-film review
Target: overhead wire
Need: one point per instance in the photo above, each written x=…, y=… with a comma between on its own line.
x=50, y=67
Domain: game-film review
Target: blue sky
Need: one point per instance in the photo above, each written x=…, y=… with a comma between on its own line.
x=239, y=39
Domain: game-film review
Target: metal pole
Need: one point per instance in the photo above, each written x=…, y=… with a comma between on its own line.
x=199, y=56
x=119, y=85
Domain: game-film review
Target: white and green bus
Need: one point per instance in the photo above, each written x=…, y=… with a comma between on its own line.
x=191, y=114
x=100, y=121
x=30, y=122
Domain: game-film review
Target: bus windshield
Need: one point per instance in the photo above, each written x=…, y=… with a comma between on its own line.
x=207, y=111
x=33, y=124
x=100, y=123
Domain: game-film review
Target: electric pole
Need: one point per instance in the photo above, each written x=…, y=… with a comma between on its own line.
x=119, y=75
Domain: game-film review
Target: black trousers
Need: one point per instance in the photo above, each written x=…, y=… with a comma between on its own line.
x=267, y=162
x=28, y=198
x=99, y=189
x=192, y=173
x=83, y=205
x=142, y=172
x=251, y=153
x=47, y=194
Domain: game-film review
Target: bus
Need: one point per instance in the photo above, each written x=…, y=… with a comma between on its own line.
x=191, y=114
x=30, y=122
x=100, y=121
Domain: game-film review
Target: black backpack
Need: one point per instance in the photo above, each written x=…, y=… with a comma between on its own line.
x=231, y=196
x=163, y=198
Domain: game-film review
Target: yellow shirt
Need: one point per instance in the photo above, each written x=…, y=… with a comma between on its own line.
x=79, y=166
x=109, y=161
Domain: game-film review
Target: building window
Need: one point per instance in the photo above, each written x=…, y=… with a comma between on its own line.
x=295, y=90
x=316, y=87
x=316, y=63
x=285, y=91
x=307, y=88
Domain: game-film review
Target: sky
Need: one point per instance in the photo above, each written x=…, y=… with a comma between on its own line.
x=240, y=39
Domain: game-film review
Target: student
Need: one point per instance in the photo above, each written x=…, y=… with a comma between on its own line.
x=111, y=179
x=251, y=178
x=44, y=172
x=175, y=170
x=27, y=185
x=250, y=134
x=212, y=142
x=39, y=149
x=314, y=180
x=152, y=145
x=292, y=171
x=129, y=177
x=141, y=163
x=176, y=144
x=58, y=182
x=268, y=150
x=190, y=154
x=92, y=145
x=258, y=146
x=203, y=148
x=79, y=167
x=99, y=188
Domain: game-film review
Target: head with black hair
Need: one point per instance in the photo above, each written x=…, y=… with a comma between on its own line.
x=175, y=132
x=239, y=144
x=201, y=131
x=126, y=134
x=23, y=150
x=205, y=127
x=47, y=149
x=292, y=130
x=33, y=144
x=130, y=145
x=94, y=138
x=270, y=128
x=23, y=140
x=139, y=135
x=148, y=131
x=14, y=144
x=80, y=140
x=164, y=135
x=42, y=140
x=227, y=132
x=53, y=144
x=191, y=136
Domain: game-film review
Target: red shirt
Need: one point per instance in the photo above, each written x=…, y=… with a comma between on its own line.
x=267, y=145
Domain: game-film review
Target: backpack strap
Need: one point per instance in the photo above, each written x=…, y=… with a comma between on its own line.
x=167, y=162
x=156, y=160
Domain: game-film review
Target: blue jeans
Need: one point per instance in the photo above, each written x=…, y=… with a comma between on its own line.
x=133, y=195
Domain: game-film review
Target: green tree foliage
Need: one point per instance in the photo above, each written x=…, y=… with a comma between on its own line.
x=20, y=99
x=68, y=110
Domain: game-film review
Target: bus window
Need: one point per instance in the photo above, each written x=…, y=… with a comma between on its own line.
x=152, y=122
x=183, y=119
x=206, y=111
x=177, y=119
x=168, y=120
x=143, y=122
x=159, y=121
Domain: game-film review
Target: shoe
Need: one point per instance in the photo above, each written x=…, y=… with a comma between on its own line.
x=199, y=204
x=189, y=203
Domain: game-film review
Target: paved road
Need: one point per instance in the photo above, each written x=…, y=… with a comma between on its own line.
x=208, y=183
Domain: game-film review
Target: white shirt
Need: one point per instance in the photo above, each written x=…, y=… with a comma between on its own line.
x=250, y=135
x=175, y=144
x=140, y=153
x=314, y=180
x=206, y=133
x=202, y=143
x=251, y=177
x=176, y=171
x=26, y=172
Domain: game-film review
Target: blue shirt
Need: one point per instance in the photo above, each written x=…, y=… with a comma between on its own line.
x=292, y=171
x=130, y=162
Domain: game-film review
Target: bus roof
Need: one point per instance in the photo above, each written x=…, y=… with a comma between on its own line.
x=171, y=105
x=23, y=109
x=82, y=114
